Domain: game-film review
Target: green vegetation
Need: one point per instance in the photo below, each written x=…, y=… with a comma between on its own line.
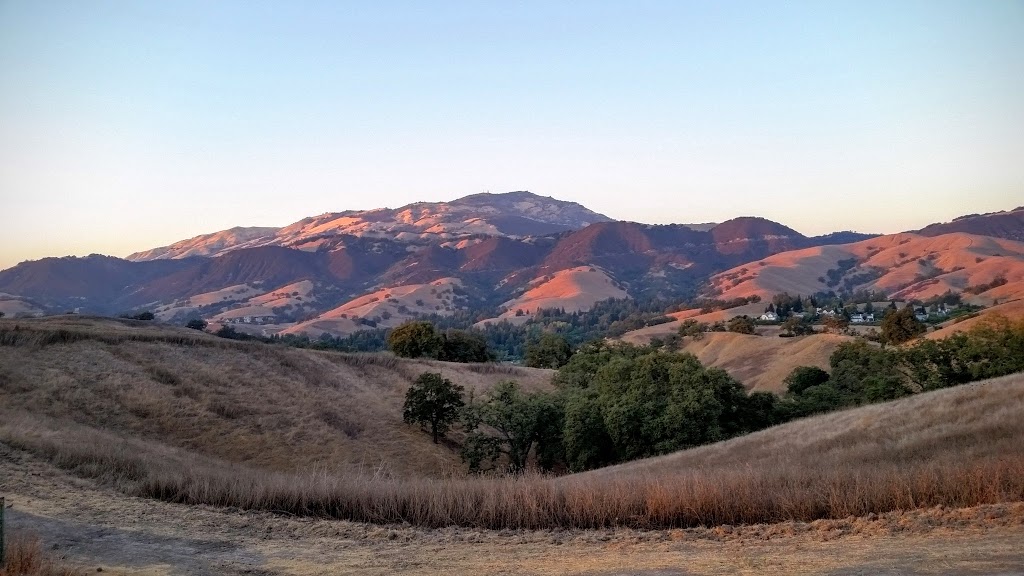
x=625, y=402
x=196, y=324
x=512, y=424
x=862, y=373
x=433, y=401
x=415, y=340
x=742, y=325
x=551, y=351
x=901, y=326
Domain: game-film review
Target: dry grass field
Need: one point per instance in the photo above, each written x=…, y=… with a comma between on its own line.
x=271, y=407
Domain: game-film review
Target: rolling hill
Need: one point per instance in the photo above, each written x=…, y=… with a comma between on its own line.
x=903, y=266
x=271, y=407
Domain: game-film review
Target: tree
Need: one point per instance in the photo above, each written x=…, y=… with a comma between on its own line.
x=511, y=423
x=797, y=327
x=196, y=324
x=835, y=323
x=901, y=326
x=433, y=401
x=742, y=325
x=551, y=351
x=691, y=327
x=463, y=346
x=1, y=314
x=803, y=377
x=416, y=339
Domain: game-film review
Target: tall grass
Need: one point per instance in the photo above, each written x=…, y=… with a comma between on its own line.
x=963, y=454
x=25, y=557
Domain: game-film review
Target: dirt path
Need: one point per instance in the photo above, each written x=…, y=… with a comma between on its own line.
x=96, y=527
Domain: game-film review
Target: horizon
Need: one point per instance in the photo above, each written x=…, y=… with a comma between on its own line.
x=128, y=127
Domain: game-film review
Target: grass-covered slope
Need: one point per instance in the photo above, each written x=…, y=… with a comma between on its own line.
x=955, y=447
x=271, y=407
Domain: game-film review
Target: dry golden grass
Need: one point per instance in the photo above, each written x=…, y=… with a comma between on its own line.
x=955, y=447
x=573, y=289
x=267, y=406
x=25, y=557
x=965, y=259
x=1013, y=311
x=760, y=362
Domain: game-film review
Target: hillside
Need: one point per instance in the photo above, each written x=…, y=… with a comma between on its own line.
x=267, y=406
x=970, y=422
x=760, y=362
x=1007, y=224
x=903, y=266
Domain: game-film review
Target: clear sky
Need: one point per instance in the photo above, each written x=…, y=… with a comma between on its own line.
x=127, y=125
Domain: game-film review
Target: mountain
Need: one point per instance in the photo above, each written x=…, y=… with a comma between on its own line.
x=513, y=214
x=501, y=256
x=1007, y=224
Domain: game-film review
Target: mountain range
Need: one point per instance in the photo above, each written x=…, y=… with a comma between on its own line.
x=503, y=255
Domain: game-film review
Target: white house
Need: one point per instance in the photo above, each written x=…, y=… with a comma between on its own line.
x=769, y=317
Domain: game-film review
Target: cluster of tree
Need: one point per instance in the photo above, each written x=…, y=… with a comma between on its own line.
x=713, y=304
x=613, y=403
x=696, y=330
x=420, y=339
x=862, y=373
x=624, y=402
x=143, y=315
x=984, y=287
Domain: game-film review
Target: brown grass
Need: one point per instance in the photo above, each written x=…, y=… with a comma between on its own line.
x=955, y=447
x=265, y=406
x=25, y=557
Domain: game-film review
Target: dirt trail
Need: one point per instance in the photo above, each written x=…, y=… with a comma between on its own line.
x=95, y=527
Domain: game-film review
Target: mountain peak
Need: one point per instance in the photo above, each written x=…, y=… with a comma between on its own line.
x=511, y=214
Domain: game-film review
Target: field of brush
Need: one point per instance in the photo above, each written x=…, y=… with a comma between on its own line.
x=184, y=417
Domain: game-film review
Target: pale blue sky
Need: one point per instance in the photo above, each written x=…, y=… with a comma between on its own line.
x=127, y=125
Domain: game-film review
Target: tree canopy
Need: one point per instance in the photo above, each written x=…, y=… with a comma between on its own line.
x=434, y=402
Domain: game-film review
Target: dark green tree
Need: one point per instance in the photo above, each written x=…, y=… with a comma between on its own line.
x=434, y=402
x=464, y=346
x=901, y=326
x=196, y=324
x=550, y=351
x=803, y=377
x=416, y=339
x=510, y=423
x=742, y=325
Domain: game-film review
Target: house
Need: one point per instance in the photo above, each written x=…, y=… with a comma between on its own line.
x=857, y=318
x=770, y=317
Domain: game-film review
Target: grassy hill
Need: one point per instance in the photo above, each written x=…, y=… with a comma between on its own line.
x=181, y=416
x=265, y=406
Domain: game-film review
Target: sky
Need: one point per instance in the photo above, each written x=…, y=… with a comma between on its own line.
x=129, y=125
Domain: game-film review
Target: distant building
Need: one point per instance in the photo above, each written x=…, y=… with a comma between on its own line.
x=770, y=317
